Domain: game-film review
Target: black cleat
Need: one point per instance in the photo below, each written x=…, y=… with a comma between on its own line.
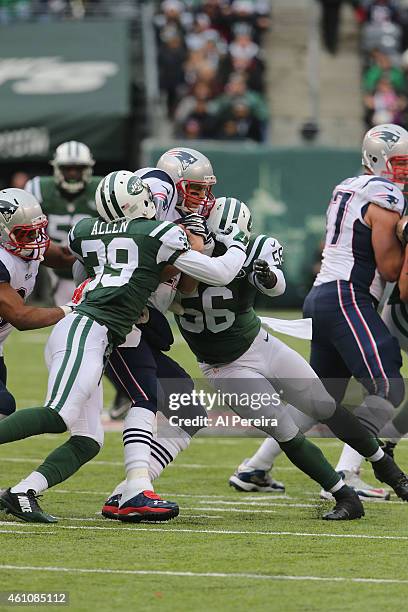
x=348, y=506
x=388, y=448
x=25, y=507
x=386, y=470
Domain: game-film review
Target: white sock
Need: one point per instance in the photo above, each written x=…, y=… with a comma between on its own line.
x=118, y=490
x=350, y=460
x=390, y=431
x=379, y=454
x=35, y=482
x=264, y=457
x=165, y=450
x=137, y=439
x=337, y=486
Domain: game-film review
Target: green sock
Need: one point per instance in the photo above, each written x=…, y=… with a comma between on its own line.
x=348, y=428
x=30, y=422
x=68, y=458
x=310, y=459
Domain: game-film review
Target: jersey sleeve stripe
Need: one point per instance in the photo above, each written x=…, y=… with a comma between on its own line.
x=114, y=201
x=175, y=256
x=161, y=229
x=255, y=250
x=162, y=176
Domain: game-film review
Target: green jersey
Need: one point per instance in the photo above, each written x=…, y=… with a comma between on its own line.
x=124, y=258
x=219, y=323
x=62, y=209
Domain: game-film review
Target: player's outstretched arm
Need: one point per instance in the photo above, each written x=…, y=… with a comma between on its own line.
x=387, y=248
x=58, y=257
x=218, y=270
x=23, y=317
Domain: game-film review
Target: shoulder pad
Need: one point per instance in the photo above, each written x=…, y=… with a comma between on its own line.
x=384, y=193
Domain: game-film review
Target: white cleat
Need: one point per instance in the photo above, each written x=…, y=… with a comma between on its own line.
x=365, y=491
x=248, y=480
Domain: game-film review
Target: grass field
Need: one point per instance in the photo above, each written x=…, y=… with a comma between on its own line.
x=226, y=551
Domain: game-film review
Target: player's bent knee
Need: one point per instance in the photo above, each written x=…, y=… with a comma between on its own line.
x=396, y=391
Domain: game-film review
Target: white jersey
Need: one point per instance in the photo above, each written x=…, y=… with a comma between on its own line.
x=21, y=275
x=164, y=192
x=348, y=253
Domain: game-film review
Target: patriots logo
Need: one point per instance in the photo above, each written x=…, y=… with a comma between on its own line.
x=7, y=209
x=387, y=137
x=186, y=159
x=392, y=200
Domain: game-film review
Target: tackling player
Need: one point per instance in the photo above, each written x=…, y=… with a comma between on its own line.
x=125, y=251
x=230, y=347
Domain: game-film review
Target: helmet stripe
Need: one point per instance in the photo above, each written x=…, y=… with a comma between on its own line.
x=104, y=202
x=115, y=204
x=225, y=213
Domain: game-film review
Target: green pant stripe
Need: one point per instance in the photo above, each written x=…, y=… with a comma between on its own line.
x=76, y=366
x=67, y=355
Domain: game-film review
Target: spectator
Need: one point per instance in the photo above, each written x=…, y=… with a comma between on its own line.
x=238, y=122
x=381, y=67
x=171, y=60
x=200, y=121
x=200, y=92
x=385, y=105
x=14, y=10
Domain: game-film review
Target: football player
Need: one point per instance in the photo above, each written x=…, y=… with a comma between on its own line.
x=362, y=252
x=24, y=244
x=181, y=184
x=125, y=251
x=231, y=347
x=66, y=197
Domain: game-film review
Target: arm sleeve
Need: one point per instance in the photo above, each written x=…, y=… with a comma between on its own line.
x=272, y=253
x=384, y=193
x=212, y=270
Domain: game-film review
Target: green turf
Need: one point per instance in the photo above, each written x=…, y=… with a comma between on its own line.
x=218, y=530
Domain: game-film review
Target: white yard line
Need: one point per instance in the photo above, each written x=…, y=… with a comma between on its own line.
x=138, y=528
x=133, y=572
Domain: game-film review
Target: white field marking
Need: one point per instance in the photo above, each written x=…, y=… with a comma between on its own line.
x=138, y=528
x=204, y=497
x=183, y=509
x=101, y=518
x=256, y=504
x=83, y=570
x=24, y=531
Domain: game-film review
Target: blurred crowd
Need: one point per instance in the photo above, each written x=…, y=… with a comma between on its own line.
x=384, y=42
x=211, y=67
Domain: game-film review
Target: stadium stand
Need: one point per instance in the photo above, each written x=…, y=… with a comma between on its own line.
x=211, y=67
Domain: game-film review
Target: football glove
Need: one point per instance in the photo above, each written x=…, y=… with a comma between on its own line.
x=264, y=274
x=233, y=236
x=196, y=224
x=402, y=230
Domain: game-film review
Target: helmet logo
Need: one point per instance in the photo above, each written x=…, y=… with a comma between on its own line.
x=135, y=186
x=7, y=209
x=186, y=159
x=389, y=137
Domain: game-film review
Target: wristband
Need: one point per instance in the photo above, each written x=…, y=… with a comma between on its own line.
x=66, y=309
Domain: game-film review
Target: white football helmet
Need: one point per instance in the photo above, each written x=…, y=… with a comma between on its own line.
x=124, y=194
x=193, y=176
x=385, y=152
x=22, y=224
x=227, y=211
x=73, y=166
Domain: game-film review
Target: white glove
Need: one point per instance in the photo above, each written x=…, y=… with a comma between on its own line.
x=233, y=236
x=67, y=308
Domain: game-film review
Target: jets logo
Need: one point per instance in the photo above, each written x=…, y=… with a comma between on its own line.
x=7, y=209
x=389, y=137
x=134, y=186
x=186, y=159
